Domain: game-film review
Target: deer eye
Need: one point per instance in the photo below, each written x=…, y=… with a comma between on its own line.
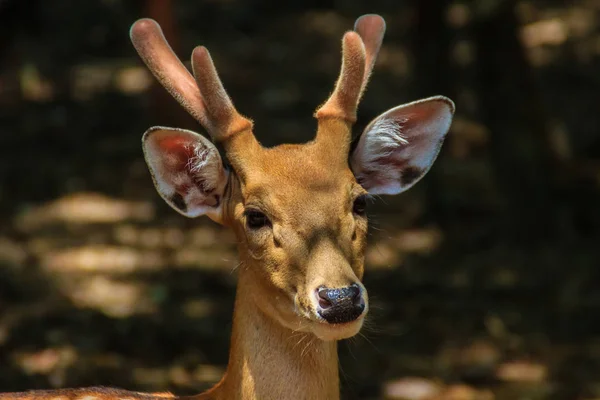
x=256, y=219
x=360, y=205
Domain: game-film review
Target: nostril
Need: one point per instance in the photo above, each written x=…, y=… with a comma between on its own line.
x=355, y=293
x=323, y=295
x=324, y=304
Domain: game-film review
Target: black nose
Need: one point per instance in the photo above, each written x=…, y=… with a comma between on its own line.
x=340, y=305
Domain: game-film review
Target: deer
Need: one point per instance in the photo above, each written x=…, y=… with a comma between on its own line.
x=298, y=212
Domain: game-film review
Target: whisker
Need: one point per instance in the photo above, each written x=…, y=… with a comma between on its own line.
x=370, y=342
x=235, y=267
x=350, y=342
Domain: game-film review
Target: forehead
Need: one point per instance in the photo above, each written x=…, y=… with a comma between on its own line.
x=299, y=174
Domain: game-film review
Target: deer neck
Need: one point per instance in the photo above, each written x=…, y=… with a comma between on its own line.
x=269, y=361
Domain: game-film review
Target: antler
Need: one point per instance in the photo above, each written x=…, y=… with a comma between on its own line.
x=203, y=97
x=359, y=52
x=371, y=28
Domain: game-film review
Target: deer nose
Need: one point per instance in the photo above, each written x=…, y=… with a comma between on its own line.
x=340, y=305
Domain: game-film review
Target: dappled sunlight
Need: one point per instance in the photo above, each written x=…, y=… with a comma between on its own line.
x=554, y=26
x=206, y=236
x=479, y=357
x=178, y=375
x=546, y=32
x=382, y=255
x=202, y=374
x=210, y=235
x=208, y=373
x=481, y=279
x=127, y=247
x=388, y=251
x=581, y=21
x=151, y=376
x=54, y=362
x=156, y=237
x=467, y=137
x=394, y=59
x=84, y=208
x=11, y=252
x=133, y=80
x=416, y=388
x=218, y=259
x=46, y=360
x=89, y=80
x=522, y=372
x=419, y=241
x=34, y=86
x=114, y=298
x=464, y=392
x=411, y=388
x=93, y=248
x=102, y=259
x=458, y=15
x=199, y=307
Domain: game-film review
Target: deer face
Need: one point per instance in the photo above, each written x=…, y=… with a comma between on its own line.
x=298, y=211
x=302, y=224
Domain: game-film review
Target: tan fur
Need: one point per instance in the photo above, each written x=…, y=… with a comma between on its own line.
x=276, y=353
x=91, y=393
x=281, y=347
x=359, y=52
x=344, y=99
x=203, y=95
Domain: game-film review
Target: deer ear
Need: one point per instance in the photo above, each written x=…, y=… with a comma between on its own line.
x=398, y=147
x=187, y=170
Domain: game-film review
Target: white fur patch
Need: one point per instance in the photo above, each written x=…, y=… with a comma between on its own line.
x=200, y=158
x=385, y=137
x=193, y=188
x=399, y=146
x=205, y=164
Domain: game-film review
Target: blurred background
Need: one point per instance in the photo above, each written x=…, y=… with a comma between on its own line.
x=484, y=278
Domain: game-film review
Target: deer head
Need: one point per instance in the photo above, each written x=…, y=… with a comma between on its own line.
x=298, y=211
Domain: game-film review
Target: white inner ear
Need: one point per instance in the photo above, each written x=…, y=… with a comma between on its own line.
x=386, y=137
x=186, y=169
x=398, y=147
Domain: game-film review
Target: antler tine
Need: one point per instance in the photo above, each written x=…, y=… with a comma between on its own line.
x=371, y=28
x=203, y=97
x=153, y=48
x=225, y=119
x=344, y=99
x=360, y=50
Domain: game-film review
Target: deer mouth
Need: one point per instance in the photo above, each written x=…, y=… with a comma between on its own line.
x=337, y=331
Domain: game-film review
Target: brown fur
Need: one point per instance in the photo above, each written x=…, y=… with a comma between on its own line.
x=275, y=353
x=91, y=393
x=281, y=348
x=308, y=196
